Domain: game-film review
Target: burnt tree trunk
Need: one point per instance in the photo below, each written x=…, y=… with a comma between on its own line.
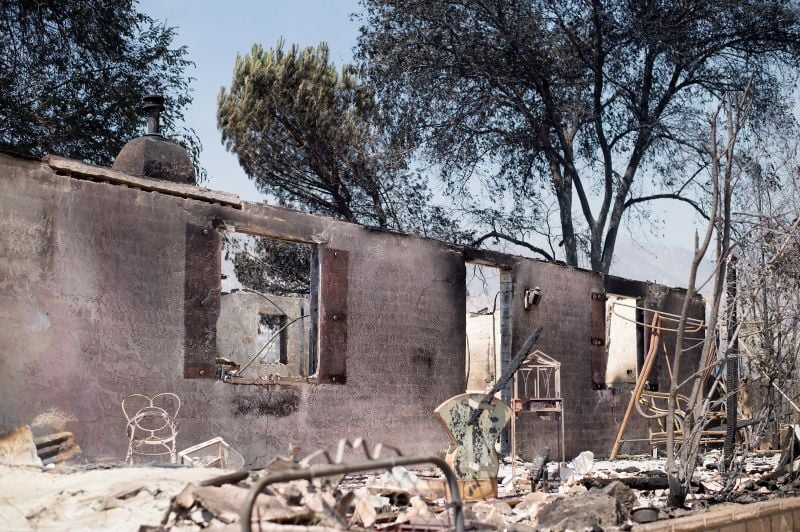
x=732, y=367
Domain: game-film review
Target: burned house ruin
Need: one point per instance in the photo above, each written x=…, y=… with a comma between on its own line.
x=111, y=284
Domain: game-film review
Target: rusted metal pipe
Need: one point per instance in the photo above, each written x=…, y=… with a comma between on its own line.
x=310, y=473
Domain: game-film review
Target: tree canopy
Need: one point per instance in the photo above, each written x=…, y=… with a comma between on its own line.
x=308, y=133
x=73, y=74
x=270, y=266
x=603, y=104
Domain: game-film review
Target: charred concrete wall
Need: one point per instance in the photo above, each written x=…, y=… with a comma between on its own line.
x=108, y=290
x=95, y=305
x=569, y=314
x=238, y=339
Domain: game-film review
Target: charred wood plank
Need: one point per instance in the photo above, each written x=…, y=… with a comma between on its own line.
x=645, y=482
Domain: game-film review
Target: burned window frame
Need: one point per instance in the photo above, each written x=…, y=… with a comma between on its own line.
x=326, y=360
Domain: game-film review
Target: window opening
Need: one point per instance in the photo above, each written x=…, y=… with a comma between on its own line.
x=631, y=311
x=266, y=328
x=272, y=335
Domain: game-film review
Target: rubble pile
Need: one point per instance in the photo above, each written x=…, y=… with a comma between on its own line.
x=595, y=494
x=90, y=497
x=394, y=500
x=42, y=490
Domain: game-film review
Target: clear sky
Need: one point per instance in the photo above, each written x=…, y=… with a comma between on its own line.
x=215, y=33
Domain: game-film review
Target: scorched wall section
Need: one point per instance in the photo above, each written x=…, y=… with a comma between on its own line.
x=592, y=412
x=93, y=307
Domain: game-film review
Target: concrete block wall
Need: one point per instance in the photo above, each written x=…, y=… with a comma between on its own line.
x=592, y=416
x=565, y=313
x=92, y=298
x=93, y=308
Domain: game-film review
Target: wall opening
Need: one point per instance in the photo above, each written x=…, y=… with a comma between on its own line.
x=623, y=336
x=484, y=323
x=272, y=333
x=266, y=329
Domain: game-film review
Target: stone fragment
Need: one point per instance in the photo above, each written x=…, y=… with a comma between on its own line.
x=227, y=517
x=399, y=477
x=323, y=505
x=419, y=508
x=593, y=509
x=489, y=514
x=530, y=505
x=519, y=527
x=711, y=462
x=583, y=463
x=622, y=493
x=364, y=513
x=502, y=507
x=201, y=516
x=567, y=489
x=185, y=499
x=380, y=504
x=711, y=486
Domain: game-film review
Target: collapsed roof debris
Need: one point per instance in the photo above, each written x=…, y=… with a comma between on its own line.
x=337, y=490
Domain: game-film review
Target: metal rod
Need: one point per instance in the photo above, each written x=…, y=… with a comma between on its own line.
x=310, y=473
x=698, y=324
x=731, y=368
x=515, y=396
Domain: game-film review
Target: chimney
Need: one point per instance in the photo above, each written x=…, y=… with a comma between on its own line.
x=151, y=155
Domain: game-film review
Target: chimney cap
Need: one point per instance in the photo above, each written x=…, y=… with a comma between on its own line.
x=153, y=105
x=153, y=100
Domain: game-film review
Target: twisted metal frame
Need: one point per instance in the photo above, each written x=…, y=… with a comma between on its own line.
x=334, y=466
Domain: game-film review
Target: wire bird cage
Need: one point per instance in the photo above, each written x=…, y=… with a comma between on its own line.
x=538, y=381
x=537, y=389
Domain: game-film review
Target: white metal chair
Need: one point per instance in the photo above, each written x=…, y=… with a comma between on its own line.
x=152, y=429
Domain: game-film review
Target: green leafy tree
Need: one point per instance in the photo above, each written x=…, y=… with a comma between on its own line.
x=73, y=74
x=594, y=108
x=310, y=135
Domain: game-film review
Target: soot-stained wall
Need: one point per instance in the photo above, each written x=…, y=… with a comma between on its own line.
x=94, y=306
x=109, y=290
x=592, y=414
